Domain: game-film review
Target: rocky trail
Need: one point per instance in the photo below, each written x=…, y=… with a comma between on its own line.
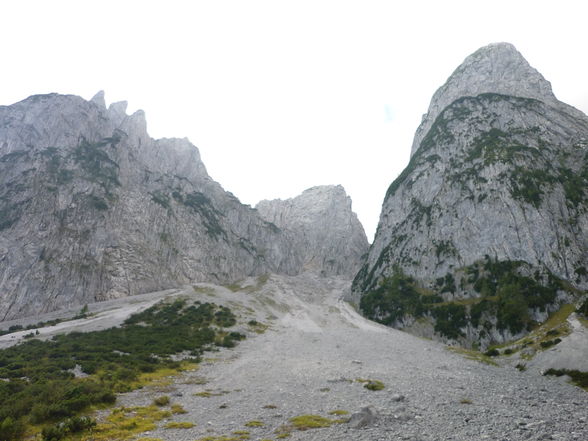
x=311, y=354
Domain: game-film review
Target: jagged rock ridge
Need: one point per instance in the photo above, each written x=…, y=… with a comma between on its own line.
x=92, y=208
x=487, y=224
x=323, y=224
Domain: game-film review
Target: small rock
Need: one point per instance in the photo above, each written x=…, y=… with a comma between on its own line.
x=397, y=397
x=365, y=417
x=403, y=416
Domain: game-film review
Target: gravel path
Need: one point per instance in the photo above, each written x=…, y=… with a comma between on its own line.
x=315, y=350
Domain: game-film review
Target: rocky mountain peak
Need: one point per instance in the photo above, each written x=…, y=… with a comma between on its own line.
x=497, y=68
x=488, y=221
x=98, y=99
x=321, y=220
x=92, y=208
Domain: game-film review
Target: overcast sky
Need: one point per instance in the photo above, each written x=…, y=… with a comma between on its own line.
x=280, y=96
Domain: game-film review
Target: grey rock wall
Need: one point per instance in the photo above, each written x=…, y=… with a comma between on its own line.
x=322, y=223
x=499, y=171
x=92, y=208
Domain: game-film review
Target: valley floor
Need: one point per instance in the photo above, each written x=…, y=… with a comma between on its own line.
x=309, y=361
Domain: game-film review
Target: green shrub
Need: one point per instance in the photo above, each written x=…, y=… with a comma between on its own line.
x=450, y=319
x=579, y=378
x=374, y=385
x=161, y=401
x=550, y=343
x=68, y=426
x=114, y=358
x=53, y=433
x=11, y=429
x=396, y=297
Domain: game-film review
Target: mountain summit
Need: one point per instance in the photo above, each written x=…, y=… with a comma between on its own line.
x=496, y=68
x=484, y=232
x=324, y=225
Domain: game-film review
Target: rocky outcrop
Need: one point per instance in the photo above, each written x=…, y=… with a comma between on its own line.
x=486, y=227
x=92, y=208
x=330, y=238
x=497, y=68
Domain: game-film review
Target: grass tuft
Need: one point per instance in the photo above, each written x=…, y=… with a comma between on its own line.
x=374, y=385
x=178, y=409
x=161, y=401
x=305, y=422
x=125, y=423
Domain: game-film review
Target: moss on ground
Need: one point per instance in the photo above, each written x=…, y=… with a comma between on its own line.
x=472, y=355
x=125, y=423
x=178, y=409
x=179, y=425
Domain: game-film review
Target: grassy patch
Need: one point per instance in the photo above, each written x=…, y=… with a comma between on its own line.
x=306, y=422
x=558, y=320
x=579, y=378
x=541, y=338
x=473, y=355
x=374, y=385
x=178, y=409
x=257, y=327
x=207, y=290
x=371, y=384
x=125, y=423
x=161, y=401
x=210, y=393
x=234, y=287
x=338, y=412
x=39, y=387
x=254, y=423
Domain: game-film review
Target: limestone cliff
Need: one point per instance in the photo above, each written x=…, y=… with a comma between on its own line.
x=321, y=222
x=92, y=208
x=486, y=227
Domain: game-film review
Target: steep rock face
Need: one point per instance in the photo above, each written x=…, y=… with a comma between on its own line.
x=92, y=208
x=496, y=68
x=330, y=238
x=489, y=219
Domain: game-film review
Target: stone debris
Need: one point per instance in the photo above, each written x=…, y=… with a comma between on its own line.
x=367, y=416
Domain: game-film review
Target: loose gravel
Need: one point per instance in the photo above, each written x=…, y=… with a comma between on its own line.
x=315, y=357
